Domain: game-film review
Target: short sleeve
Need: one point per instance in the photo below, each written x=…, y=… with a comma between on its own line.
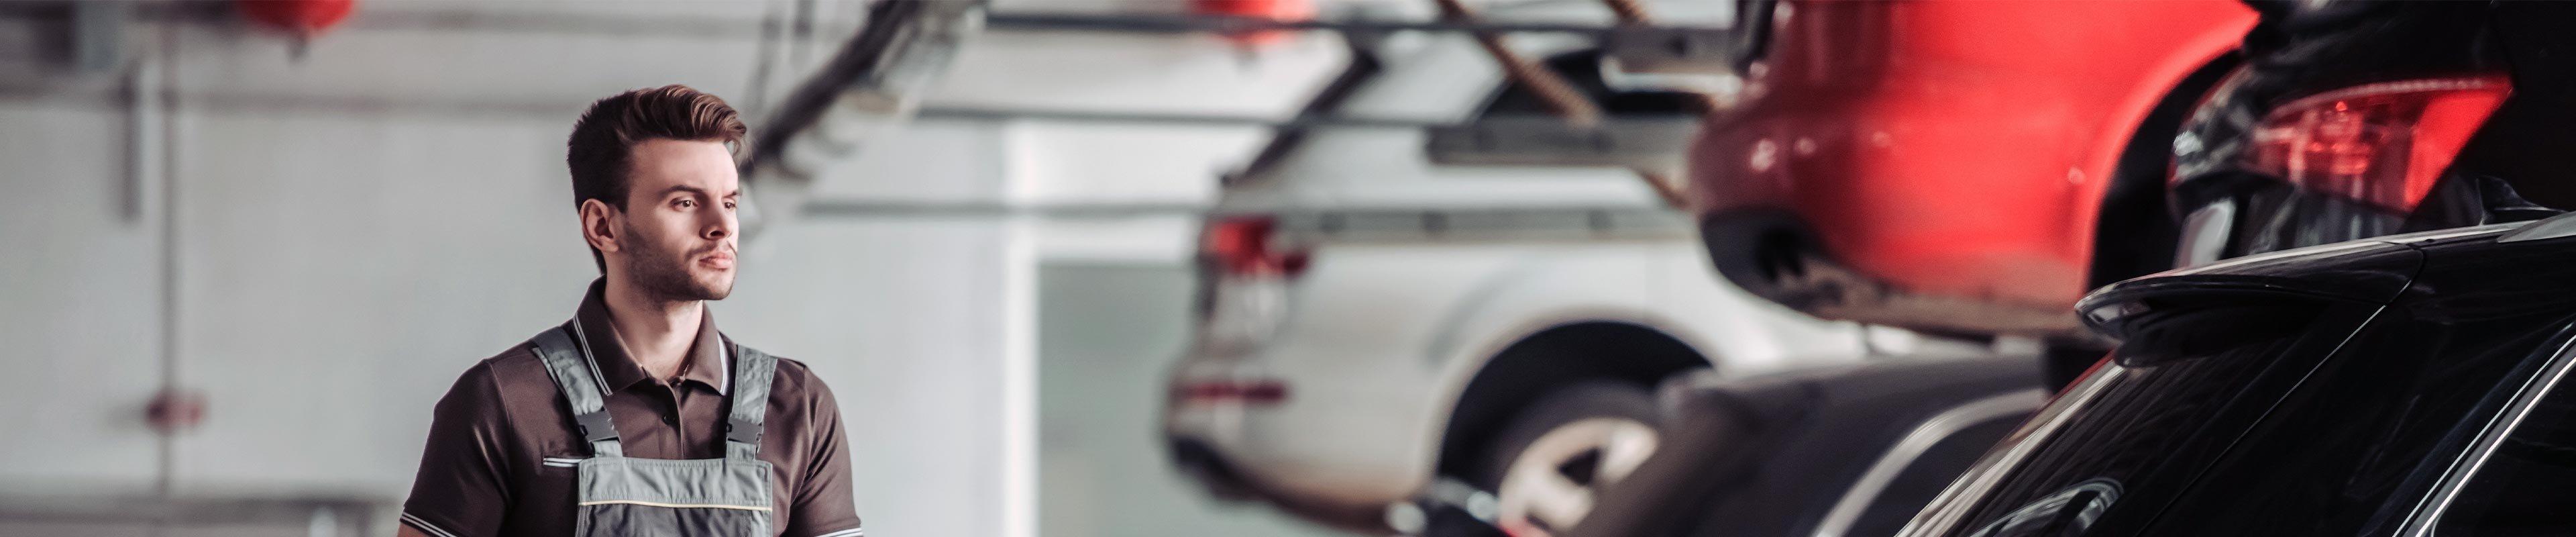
x=823, y=505
x=461, y=489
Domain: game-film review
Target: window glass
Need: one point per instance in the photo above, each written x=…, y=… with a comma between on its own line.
x=2152, y=414
x=2527, y=486
x=2268, y=434
x=2364, y=434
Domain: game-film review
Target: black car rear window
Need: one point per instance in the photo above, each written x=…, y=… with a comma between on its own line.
x=2528, y=484
x=2140, y=422
x=2270, y=436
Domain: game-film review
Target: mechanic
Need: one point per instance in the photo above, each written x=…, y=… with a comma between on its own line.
x=638, y=417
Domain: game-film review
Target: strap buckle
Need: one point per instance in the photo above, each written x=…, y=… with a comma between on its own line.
x=742, y=430
x=595, y=426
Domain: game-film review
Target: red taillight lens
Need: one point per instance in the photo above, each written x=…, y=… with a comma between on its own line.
x=1245, y=246
x=2383, y=144
x=1263, y=392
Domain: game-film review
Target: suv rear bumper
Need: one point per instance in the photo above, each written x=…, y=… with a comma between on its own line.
x=1225, y=480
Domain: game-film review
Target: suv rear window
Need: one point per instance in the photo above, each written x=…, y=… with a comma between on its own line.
x=2526, y=485
x=2128, y=422
x=2267, y=435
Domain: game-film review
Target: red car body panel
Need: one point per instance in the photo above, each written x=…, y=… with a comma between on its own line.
x=1953, y=148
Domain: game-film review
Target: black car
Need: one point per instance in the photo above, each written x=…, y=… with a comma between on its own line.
x=1831, y=452
x=2406, y=385
x=2355, y=119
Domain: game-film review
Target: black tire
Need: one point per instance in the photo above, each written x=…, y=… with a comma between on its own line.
x=1587, y=399
x=1455, y=523
x=1562, y=406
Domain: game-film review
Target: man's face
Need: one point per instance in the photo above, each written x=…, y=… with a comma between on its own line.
x=676, y=236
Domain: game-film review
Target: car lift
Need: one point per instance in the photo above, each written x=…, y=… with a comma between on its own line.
x=876, y=81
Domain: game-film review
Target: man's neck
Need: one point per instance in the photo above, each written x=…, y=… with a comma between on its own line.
x=657, y=333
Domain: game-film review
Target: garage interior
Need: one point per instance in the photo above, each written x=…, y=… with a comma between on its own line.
x=249, y=244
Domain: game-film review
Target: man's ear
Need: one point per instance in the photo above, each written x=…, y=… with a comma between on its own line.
x=599, y=225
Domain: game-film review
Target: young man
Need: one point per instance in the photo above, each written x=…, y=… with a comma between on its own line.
x=638, y=417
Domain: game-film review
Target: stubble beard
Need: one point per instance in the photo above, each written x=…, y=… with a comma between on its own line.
x=664, y=275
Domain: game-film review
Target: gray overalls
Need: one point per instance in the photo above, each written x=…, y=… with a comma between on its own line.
x=618, y=495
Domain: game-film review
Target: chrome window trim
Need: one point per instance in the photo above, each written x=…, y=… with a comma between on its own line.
x=1874, y=481
x=2464, y=467
x=1971, y=488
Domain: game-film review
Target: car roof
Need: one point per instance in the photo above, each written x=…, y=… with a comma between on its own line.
x=2482, y=272
x=2370, y=271
x=2460, y=271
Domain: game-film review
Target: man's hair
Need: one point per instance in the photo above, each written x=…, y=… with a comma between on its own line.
x=602, y=149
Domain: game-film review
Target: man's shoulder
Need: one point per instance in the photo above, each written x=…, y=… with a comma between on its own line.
x=510, y=363
x=511, y=370
x=792, y=378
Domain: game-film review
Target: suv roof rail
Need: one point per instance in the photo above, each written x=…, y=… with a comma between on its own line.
x=2563, y=225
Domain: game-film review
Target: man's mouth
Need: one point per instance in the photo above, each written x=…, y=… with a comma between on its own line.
x=720, y=260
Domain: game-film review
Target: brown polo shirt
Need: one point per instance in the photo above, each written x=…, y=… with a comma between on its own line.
x=502, y=442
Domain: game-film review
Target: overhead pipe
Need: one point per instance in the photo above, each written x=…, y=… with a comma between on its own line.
x=873, y=84
x=1561, y=97
x=723, y=28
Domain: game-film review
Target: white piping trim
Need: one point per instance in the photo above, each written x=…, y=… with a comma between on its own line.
x=852, y=532
x=424, y=525
x=674, y=505
x=581, y=338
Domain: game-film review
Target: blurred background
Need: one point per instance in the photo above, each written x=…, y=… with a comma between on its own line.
x=1095, y=268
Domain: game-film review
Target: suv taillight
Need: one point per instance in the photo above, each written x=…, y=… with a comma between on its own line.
x=2383, y=144
x=1246, y=267
x=1247, y=246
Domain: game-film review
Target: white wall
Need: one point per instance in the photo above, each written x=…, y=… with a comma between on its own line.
x=355, y=226
x=77, y=334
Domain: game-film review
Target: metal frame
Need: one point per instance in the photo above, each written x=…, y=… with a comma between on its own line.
x=1235, y=24
x=667, y=27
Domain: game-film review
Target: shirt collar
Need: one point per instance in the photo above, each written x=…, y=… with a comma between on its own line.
x=706, y=360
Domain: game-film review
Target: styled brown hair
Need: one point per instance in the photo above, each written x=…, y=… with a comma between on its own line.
x=601, y=151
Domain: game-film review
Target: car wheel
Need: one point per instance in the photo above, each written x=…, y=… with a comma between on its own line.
x=1550, y=463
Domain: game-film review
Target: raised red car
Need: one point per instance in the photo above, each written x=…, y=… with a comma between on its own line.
x=1955, y=166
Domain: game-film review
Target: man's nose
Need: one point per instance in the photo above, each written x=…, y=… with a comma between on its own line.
x=722, y=227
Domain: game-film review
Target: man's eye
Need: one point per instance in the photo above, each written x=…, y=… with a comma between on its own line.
x=684, y=204
x=729, y=205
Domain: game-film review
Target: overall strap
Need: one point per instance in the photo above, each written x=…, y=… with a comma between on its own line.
x=576, y=374
x=752, y=372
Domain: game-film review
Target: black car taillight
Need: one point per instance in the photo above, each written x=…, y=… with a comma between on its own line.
x=2383, y=144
